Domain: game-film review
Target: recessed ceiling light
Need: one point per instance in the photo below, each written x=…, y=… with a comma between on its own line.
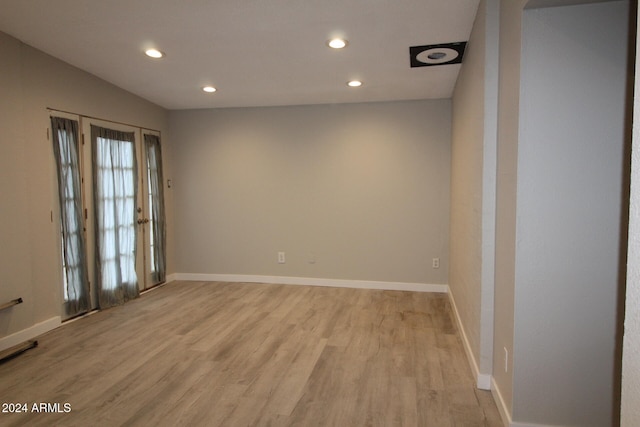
x=437, y=54
x=209, y=89
x=337, y=43
x=154, y=53
x=354, y=83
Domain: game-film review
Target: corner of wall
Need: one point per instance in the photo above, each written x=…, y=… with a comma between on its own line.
x=483, y=381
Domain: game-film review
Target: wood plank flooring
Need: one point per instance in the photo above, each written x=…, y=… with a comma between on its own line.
x=231, y=354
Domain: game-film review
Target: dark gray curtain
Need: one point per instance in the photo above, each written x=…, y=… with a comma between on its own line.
x=115, y=192
x=156, y=208
x=76, y=280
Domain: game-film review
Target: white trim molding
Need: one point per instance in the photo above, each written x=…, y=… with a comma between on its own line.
x=505, y=413
x=171, y=278
x=29, y=333
x=483, y=381
x=310, y=281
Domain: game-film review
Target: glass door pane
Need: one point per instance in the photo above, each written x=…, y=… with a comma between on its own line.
x=115, y=192
x=67, y=156
x=155, y=226
x=114, y=187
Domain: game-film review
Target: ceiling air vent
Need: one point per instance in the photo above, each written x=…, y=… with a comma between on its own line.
x=437, y=54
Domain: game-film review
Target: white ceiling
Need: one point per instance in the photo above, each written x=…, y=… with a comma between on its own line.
x=256, y=52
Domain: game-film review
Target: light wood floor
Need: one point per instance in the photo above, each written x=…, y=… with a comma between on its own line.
x=230, y=354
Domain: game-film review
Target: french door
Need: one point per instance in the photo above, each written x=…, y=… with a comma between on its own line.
x=117, y=200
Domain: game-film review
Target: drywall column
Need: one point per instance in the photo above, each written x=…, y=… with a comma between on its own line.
x=506, y=180
x=489, y=181
x=473, y=188
x=569, y=199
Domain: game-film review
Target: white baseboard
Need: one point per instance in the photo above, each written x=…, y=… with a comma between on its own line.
x=483, y=381
x=517, y=424
x=310, y=281
x=29, y=333
x=505, y=413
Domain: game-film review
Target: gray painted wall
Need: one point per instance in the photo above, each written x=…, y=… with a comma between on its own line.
x=569, y=200
x=363, y=189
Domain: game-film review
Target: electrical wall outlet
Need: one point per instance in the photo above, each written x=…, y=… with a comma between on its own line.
x=281, y=258
x=435, y=263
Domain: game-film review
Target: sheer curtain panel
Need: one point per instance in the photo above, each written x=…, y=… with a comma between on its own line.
x=115, y=192
x=156, y=208
x=66, y=152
